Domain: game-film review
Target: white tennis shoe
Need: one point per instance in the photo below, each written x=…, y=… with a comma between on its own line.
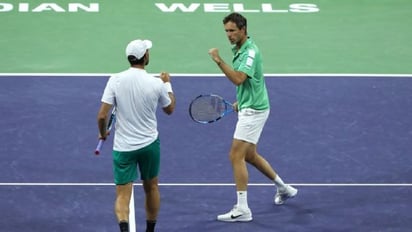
x=283, y=195
x=236, y=215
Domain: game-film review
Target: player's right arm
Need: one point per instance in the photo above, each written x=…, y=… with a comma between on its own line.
x=102, y=116
x=236, y=77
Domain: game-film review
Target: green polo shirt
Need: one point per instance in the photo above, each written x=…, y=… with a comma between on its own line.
x=252, y=93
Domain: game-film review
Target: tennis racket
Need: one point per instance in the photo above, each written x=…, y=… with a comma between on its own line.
x=209, y=108
x=110, y=124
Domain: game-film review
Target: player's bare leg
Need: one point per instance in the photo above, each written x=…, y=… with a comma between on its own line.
x=152, y=202
x=259, y=162
x=121, y=208
x=240, y=211
x=283, y=191
x=237, y=158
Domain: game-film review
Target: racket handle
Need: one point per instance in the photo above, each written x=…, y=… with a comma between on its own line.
x=98, y=147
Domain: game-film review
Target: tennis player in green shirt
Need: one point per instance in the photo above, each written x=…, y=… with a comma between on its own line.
x=253, y=110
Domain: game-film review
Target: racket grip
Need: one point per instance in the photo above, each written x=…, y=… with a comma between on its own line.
x=98, y=147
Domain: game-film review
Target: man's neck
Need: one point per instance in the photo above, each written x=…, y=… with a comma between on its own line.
x=239, y=45
x=139, y=66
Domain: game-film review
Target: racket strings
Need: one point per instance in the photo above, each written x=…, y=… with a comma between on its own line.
x=207, y=108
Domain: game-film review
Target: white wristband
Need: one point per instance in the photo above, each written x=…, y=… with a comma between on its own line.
x=169, y=87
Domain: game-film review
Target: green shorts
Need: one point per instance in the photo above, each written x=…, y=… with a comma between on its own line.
x=125, y=163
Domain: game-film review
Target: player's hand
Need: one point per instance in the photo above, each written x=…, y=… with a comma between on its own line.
x=104, y=137
x=165, y=77
x=235, y=107
x=214, y=54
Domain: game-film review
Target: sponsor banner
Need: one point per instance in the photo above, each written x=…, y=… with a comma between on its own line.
x=74, y=7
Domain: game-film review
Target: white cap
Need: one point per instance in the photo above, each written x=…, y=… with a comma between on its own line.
x=138, y=48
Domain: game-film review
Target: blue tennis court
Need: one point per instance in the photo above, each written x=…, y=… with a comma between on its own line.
x=343, y=141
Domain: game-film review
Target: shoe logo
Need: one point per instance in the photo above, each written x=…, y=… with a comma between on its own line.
x=234, y=217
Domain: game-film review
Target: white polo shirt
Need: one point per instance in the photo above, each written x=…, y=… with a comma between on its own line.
x=136, y=95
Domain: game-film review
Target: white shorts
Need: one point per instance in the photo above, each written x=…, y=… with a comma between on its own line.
x=250, y=124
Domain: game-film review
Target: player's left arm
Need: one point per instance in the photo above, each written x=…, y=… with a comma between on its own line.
x=165, y=77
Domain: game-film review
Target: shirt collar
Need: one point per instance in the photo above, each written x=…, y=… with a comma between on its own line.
x=243, y=47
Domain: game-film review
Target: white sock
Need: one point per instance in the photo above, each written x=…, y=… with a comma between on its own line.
x=279, y=182
x=242, y=199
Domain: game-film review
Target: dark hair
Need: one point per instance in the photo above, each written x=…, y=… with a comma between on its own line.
x=133, y=60
x=236, y=18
